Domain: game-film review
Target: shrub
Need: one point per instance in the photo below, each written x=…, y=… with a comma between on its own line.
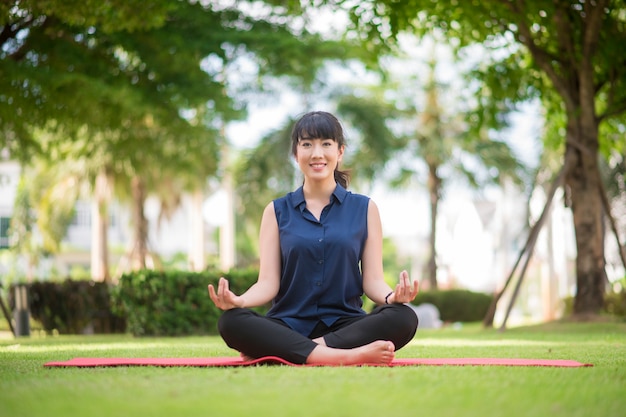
x=172, y=303
x=457, y=305
x=615, y=303
x=71, y=307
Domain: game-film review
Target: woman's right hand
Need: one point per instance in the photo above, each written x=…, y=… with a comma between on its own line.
x=224, y=298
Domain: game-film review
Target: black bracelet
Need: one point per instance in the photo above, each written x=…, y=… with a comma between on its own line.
x=387, y=297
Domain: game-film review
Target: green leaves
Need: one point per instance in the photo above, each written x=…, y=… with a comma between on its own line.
x=377, y=142
x=110, y=16
x=173, y=303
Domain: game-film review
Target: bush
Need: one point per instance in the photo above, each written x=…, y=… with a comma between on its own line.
x=71, y=307
x=457, y=305
x=173, y=303
x=615, y=303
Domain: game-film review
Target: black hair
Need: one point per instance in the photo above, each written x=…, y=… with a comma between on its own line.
x=320, y=125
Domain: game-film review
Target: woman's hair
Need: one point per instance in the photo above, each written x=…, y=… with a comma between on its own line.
x=320, y=125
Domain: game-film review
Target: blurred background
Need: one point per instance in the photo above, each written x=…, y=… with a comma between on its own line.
x=149, y=135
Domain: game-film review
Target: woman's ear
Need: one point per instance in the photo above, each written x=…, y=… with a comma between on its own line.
x=342, y=148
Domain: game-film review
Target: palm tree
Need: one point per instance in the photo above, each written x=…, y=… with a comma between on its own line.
x=442, y=140
x=21, y=228
x=261, y=175
x=167, y=163
x=51, y=190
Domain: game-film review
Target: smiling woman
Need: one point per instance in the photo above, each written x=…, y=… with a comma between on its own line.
x=318, y=144
x=321, y=250
x=320, y=155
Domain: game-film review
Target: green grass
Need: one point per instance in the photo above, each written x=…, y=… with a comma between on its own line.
x=30, y=390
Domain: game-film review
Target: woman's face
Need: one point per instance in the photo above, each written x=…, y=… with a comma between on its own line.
x=318, y=158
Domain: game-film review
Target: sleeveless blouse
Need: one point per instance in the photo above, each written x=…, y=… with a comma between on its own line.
x=321, y=276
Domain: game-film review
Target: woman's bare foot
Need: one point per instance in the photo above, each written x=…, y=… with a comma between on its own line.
x=380, y=352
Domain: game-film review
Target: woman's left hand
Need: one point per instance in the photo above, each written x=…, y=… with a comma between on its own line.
x=405, y=291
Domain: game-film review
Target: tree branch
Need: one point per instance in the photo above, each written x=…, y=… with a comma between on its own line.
x=592, y=22
x=21, y=52
x=607, y=209
x=614, y=110
x=593, y=17
x=10, y=30
x=564, y=30
x=543, y=58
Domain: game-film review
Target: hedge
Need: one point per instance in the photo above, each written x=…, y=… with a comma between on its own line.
x=71, y=307
x=151, y=303
x=173, y=303
x=457, y=305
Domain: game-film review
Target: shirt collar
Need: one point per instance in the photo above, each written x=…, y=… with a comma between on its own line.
x=297, y=197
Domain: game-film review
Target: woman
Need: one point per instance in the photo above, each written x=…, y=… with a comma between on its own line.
x=321, y=249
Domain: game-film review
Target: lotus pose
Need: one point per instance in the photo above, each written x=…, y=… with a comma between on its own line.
x=320, y=251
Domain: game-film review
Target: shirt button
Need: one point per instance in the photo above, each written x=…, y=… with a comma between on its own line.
x=319, y=284
x=321, y=261
x=320, y=240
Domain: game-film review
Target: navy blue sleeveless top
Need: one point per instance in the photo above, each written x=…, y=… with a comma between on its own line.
x=321, y=276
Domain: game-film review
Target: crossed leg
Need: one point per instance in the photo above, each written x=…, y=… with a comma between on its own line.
x=373, y=338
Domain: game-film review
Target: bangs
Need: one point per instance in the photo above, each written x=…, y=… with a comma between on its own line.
x=316, y=127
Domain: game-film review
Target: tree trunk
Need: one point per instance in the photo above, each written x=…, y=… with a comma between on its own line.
x=227, y=230
x=434, y=185
x=139, y=252
x=583, y=182
x=99, y=230
x=574, y=80
x=197, y=248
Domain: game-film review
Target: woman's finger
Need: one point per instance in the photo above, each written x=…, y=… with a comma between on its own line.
x=222, y=287
x=398, y=296
x=212, y=293
x=215, y=298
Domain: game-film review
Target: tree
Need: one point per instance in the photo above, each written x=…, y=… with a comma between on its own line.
x=52, y=63
x=262, y=174
x=570, y=51
x=90, y=76
x=435, y=134
x=143, y=83
x=21, y=229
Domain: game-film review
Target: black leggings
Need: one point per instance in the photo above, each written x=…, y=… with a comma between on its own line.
x=256, y=336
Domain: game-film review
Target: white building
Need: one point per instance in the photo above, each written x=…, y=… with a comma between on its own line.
x=9, y=177
x=166, y=238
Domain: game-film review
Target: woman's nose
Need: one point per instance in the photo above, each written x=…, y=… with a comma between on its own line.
x=317, y=149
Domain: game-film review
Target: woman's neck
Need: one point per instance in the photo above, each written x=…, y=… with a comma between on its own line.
x=319, y=190
x=317, y=196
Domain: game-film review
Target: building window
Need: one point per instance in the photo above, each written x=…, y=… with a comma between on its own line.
x=4, y=232
x=82, y=216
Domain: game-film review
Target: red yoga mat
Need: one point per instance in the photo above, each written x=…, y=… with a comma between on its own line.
x=228, y=361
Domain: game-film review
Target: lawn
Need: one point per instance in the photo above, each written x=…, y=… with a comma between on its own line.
x=28, y=389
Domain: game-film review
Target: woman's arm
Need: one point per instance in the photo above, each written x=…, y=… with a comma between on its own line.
x=374, y=283
x=266, y=287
